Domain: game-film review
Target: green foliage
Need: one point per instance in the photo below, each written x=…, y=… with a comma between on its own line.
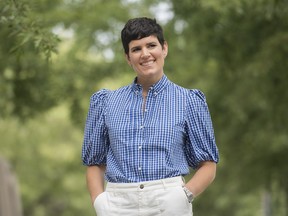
x=246, y=42
x=45, y=154
x=29, y=83
x=23, y=26
x=24, y=70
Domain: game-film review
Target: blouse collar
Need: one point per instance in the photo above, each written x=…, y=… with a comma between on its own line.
x=155, y=89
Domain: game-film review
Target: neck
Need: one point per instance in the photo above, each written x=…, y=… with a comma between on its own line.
x=145, y=87
x=146, y=83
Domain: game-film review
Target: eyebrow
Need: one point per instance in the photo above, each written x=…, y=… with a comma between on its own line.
x=147, y=44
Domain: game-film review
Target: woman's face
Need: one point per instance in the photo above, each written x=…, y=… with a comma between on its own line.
x=146, y=56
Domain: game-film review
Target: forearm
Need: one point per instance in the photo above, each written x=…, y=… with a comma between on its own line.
x=202, y=178
x=95, y=180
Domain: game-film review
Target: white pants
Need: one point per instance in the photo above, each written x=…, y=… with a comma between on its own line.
x=164, y=197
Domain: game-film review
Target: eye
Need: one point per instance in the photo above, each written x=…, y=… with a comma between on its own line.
x=151, y=45
x=135, y=49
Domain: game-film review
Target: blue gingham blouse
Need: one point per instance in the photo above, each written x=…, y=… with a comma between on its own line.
x=173, y=132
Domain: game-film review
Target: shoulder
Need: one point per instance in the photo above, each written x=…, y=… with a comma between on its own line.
x=121, y=90
x=197, y=95
x=99, y=98
x=100, y=95
x=196, y=102
x=103, y=95
x=191, y=94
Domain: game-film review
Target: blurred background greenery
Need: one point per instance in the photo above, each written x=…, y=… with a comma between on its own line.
x=55, y=54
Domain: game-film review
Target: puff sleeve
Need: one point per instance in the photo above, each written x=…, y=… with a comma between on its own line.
x=200, y=144
x=96, y=141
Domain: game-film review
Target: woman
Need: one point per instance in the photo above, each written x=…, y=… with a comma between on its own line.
x=144, y=137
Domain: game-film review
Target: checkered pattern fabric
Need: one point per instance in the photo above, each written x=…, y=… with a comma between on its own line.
x=162, y=139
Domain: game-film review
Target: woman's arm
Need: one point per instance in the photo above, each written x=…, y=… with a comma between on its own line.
x=202, y=178
x=95, y=180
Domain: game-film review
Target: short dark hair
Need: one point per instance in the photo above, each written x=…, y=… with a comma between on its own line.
x=139, y=28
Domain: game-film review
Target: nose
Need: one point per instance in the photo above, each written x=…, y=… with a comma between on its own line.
x=145, y=53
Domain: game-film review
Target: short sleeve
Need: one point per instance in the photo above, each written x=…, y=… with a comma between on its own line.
x=200, y=145
x=96, y=141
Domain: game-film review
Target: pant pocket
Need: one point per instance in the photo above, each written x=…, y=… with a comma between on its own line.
x=174, y=202
x=100, y=204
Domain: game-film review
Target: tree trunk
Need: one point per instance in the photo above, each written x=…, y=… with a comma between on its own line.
x=266, y=203
x=10, y=204
x=286, y=199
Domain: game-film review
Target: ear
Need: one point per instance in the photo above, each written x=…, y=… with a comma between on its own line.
x=127, y=59
x=165, y=49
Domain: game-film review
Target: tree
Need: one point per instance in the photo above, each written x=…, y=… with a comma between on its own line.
x=23, y=85
x=243, y=45
x=33, y=79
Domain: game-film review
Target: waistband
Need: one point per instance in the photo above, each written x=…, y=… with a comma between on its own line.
x=146, y=185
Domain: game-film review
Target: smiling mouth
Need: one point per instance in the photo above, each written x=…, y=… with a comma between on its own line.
x=148, y=63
